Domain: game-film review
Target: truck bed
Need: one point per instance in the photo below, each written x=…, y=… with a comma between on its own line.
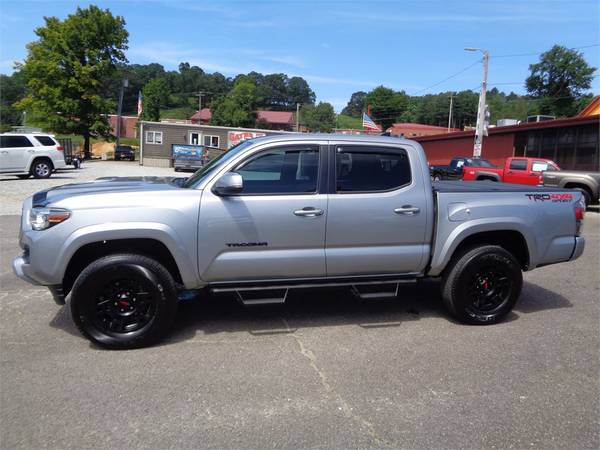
x=487, y=186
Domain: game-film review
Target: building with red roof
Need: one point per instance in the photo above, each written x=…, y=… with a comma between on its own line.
x=269, y=120
x=409, y=130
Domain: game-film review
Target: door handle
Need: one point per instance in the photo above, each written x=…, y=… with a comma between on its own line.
x=5, y=152
x=30, y=151
x=308, y=211
x=407, y=210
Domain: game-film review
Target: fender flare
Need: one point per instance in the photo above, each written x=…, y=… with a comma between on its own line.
x=493, y=175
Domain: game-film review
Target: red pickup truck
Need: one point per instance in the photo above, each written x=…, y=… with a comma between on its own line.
x=518, y=170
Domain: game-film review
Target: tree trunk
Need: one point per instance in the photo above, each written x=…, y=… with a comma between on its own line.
x=87, y=151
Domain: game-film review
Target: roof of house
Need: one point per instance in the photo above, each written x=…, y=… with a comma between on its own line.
x=566, y=122
x=417, y=126
x=203, y=114
x=592, y=108
x=275, y=116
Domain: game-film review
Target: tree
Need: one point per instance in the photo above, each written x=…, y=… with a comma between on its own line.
x=318, y=118
x=386, y=104
x=65, y=69
x=12, y=89
x=559, y=80
x=154, y=96
x=298, y=91
x=356, y=105
x=236, y=108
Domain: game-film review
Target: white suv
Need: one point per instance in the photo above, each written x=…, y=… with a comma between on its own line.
x=27, y=154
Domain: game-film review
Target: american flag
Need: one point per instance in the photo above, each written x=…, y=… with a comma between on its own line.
x=140, y=106
x=369, y=124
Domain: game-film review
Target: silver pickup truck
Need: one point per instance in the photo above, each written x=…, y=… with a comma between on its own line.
x=288, y=212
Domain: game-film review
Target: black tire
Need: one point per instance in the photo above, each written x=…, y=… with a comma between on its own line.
x=24, y=176
x=482, y=285
x=107, y=309
x=42, y=168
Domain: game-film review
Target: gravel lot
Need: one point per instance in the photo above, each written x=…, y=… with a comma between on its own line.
x=14, y=191
x=322, y=371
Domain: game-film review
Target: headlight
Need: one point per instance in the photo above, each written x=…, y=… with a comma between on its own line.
x=43, y=218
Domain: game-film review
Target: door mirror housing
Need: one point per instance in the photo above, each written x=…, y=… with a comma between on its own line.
x=231, y=183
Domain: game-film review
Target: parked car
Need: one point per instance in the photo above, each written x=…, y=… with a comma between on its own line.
x=34, y=154
x=454, y=170
x=516, y=170
x=586, y=182
x=124, y=152
x=286, y=212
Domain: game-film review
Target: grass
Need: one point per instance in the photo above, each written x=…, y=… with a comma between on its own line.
x=182, y=113
x=344, y=121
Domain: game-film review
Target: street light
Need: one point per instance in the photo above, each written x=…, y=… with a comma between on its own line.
x=480, y=128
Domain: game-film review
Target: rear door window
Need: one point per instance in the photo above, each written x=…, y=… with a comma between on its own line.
x=370, y=169
x=540, y=166
x=518, y=164
x=45, y=140
x=14, y=142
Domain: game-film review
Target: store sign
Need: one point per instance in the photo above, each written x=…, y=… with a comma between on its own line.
x=235, y=137
x=188, y=152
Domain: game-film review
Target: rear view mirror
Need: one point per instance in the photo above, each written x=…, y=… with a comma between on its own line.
x=230, y=183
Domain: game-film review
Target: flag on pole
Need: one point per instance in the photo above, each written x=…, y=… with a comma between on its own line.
x=140, y=106
x=368, y=123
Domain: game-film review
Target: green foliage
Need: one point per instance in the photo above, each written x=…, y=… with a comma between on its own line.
x=12, y=89
x=182, y=113
x=154, y=96
x=65, y=69
x=236, y=108
x=345, y=121
x=318, y=118
x=356, y=105
x=559, y=80
x=386, y=105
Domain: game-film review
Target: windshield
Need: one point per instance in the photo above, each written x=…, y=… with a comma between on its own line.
x=478, y=162
x=209, y=168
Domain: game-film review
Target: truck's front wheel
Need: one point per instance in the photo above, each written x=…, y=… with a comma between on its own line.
x=482, y=285
x=124, y=301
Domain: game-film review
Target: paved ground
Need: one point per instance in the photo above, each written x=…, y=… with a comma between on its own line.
x=323, y=371
x=13, y=190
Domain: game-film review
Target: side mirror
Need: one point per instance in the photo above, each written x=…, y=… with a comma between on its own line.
x=230, y=183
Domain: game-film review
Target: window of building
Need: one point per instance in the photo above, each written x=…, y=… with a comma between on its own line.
x=281, y=170
x=211, y=141
x=194, y=138
x=154, y=137
x=586, y=155
x=14, y=142
x=45, y=140
x=533, y=144
x=518, y=164
x=565, y=147
x=548, y=144
x=371, y=169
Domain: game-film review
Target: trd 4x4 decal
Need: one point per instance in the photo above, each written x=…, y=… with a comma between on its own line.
x=560, y=198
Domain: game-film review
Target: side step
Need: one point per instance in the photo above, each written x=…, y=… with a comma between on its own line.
x=261, y=297
x=277, y=293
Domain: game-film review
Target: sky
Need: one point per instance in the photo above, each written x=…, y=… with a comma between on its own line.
x=338, y=46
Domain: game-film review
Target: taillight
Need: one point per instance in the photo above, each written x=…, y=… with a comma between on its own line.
x=60, y=148
x=579, y=214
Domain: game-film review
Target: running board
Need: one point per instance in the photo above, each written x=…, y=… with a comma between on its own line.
x=277, y=293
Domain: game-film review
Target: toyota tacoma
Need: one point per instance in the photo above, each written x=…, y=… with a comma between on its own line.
x=287, y=212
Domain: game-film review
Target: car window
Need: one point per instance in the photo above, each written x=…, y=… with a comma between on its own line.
x=45, y=140
x=539, y=166
x=478, y=162
x=457, y=162
x=518, y=164
x=14, y=141
x=281, y=170
x=378, y=169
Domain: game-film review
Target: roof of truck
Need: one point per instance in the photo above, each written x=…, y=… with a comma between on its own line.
x=331, y=137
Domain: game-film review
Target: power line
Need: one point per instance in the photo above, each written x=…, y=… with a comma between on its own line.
x=539, y=53
x=448, y=78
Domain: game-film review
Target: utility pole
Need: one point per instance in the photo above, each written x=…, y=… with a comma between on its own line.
x=297, y=117
x=450, y=113
x=124, y=84
x=481, y=109
x=200, y=95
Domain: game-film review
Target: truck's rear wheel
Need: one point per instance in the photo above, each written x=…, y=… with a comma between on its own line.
x=124, y=301
x=482, y=285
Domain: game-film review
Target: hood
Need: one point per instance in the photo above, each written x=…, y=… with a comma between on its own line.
x=107, y=185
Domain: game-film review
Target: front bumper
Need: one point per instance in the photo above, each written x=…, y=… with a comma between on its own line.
x=22, y=269
x=579, y=247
